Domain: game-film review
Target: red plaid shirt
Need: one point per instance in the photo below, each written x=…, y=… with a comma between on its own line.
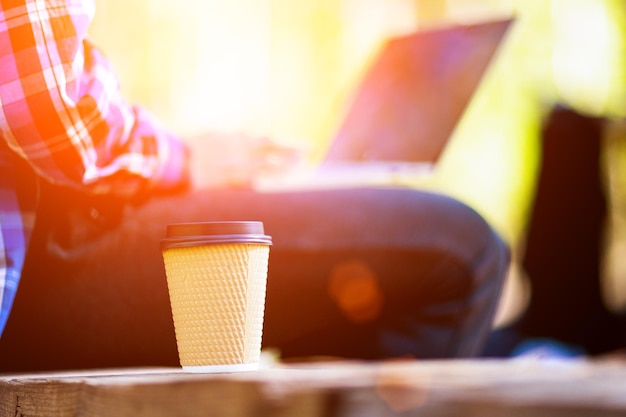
x=61, y=110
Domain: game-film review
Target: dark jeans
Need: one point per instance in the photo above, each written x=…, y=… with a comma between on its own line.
x=360, y=273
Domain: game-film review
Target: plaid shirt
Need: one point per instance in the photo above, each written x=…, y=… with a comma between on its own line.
x=61, y=111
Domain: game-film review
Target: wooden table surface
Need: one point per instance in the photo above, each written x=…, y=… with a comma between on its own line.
x=528, y=387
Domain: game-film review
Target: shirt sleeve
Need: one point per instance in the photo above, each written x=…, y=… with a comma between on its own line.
x=61, y=108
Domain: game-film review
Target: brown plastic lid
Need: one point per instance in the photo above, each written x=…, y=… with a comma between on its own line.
x=209, y=233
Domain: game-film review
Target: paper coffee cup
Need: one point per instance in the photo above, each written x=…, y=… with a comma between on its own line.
x=216, y=277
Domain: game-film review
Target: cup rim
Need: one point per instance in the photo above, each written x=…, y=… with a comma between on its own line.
x=216, y=232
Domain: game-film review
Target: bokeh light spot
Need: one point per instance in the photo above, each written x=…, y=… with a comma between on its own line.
x=354, y=287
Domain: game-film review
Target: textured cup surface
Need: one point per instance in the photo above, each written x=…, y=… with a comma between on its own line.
x=217, y=295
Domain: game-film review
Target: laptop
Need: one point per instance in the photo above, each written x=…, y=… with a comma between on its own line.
x=406, y=107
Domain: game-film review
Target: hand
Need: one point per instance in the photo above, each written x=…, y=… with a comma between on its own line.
x=235, y=160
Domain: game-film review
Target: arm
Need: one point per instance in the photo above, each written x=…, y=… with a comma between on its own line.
x=61, y=107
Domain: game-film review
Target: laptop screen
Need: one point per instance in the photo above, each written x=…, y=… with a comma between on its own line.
x=413, y=95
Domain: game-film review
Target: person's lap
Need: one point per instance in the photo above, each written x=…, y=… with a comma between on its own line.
x=356, y=273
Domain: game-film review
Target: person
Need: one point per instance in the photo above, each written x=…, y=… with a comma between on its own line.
x=89, y=183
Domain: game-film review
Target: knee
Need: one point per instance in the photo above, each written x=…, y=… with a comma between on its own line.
x=457, y=230
x=445, y=223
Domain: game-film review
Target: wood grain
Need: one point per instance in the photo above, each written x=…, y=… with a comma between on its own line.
x=342, y=389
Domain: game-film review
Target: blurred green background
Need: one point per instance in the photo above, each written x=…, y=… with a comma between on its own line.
x=285, y=68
